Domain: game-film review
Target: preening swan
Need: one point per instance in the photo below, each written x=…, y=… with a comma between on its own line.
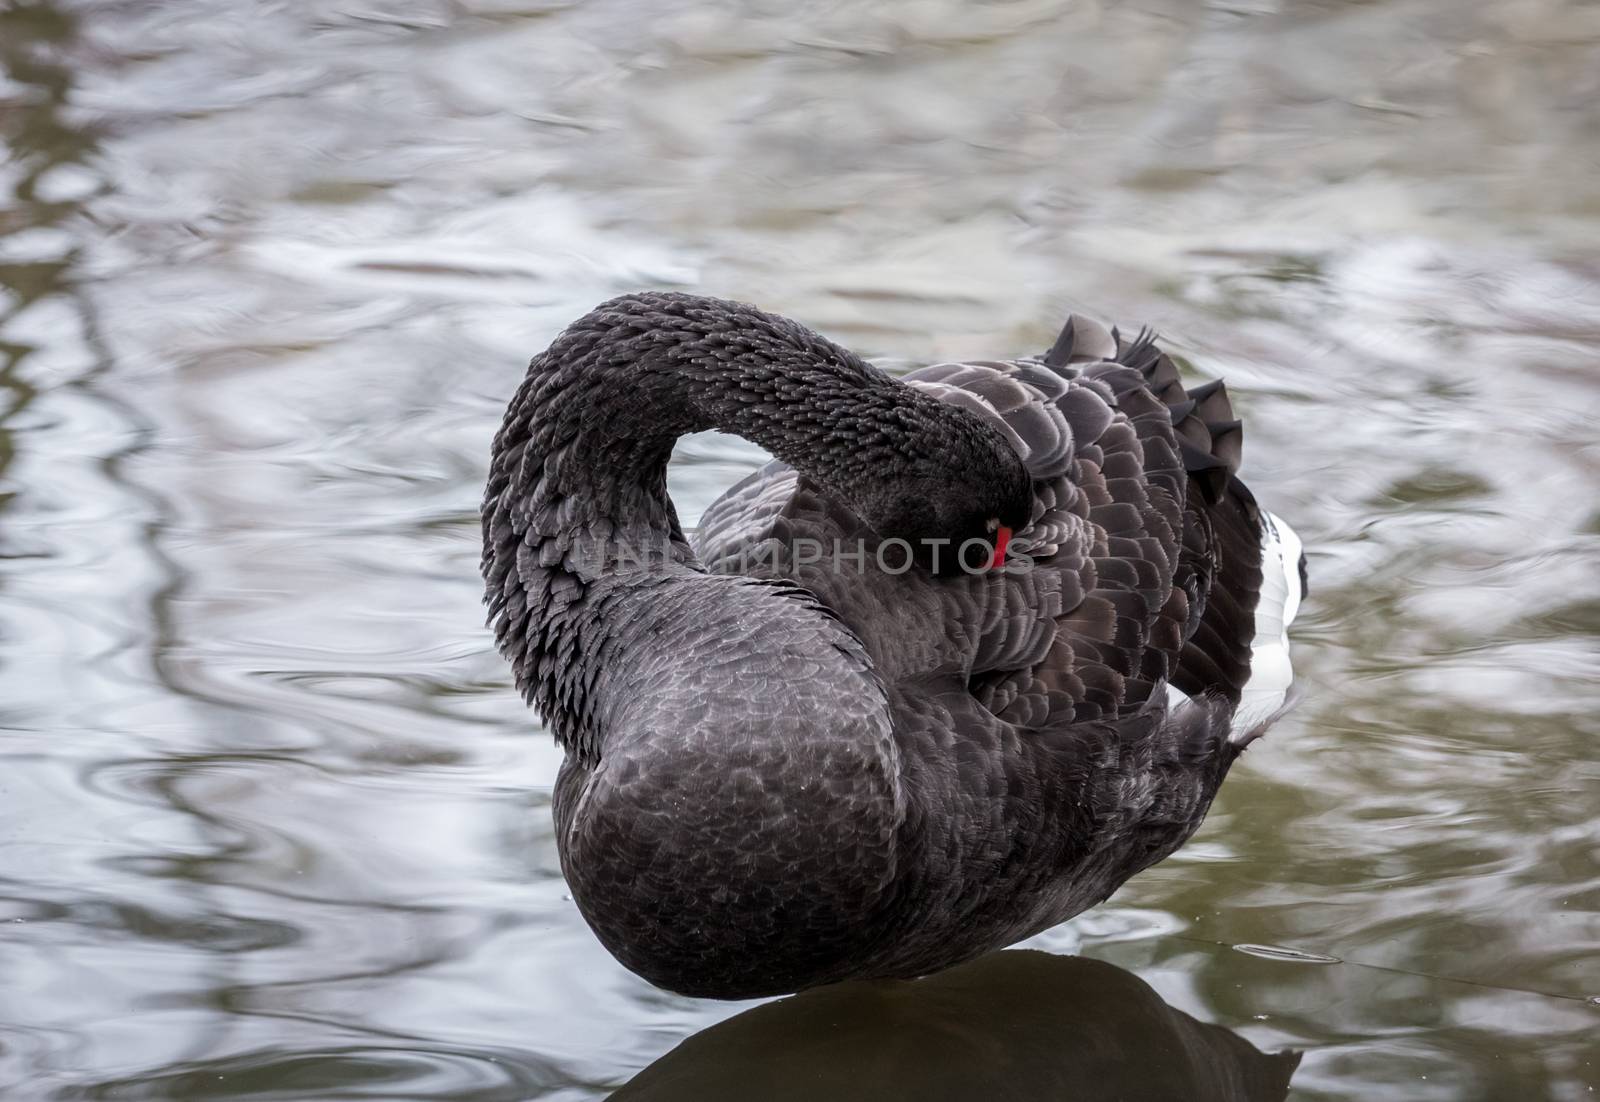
x=785, y=769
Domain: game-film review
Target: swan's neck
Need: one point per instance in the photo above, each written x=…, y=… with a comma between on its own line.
x=581, y=459
x=576, y=508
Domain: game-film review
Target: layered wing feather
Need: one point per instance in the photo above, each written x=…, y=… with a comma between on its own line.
x=1145, y=548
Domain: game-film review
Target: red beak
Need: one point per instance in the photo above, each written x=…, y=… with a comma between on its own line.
x=1002, y=536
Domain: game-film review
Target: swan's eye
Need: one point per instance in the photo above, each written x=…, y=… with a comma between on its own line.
x=993, y=524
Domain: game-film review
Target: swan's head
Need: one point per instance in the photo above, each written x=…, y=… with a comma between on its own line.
x=958, y=504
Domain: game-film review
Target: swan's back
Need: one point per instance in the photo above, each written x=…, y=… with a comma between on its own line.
x=1153, y=570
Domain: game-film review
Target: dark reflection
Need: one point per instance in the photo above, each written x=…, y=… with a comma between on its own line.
x=1016, y=1024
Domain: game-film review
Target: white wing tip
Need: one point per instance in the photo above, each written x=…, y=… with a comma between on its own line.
x=1265, y=696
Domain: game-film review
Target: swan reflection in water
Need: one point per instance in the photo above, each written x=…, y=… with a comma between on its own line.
x=1014, y=1024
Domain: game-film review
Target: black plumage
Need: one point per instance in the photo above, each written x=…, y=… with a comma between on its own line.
x=782, y=773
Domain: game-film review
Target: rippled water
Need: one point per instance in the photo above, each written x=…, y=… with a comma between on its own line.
x=274, y=826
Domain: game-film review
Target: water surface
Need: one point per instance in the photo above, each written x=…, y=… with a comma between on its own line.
x=274, y=824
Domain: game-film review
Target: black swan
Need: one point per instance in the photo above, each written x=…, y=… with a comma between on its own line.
x=977, y=646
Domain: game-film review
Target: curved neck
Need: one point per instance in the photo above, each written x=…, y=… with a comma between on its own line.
x=576, y=498
x=581, y=458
